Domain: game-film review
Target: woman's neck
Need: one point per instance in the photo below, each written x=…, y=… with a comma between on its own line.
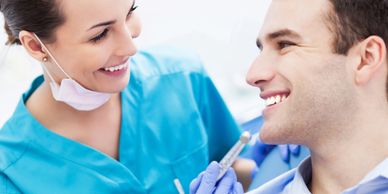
x=98, y=128
x=53, y=114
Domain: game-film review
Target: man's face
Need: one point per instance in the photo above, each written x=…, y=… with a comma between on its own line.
x=306, y=86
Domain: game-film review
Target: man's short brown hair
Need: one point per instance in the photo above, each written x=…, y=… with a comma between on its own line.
x=355, y=20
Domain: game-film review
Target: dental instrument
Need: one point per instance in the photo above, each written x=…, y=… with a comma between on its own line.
x=233, y=153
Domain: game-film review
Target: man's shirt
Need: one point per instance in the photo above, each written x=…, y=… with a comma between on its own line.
x=296, y=181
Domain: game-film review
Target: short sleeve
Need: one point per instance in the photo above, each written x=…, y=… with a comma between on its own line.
x=221, y=127
x=186, y=74
x=6, y=186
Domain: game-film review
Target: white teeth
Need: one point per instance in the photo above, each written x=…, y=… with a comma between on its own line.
x=267, y=102
x=116, y=68
x=275, y=99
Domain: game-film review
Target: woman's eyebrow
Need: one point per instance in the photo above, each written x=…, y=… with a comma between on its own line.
x=112, y=21
x=103, y=24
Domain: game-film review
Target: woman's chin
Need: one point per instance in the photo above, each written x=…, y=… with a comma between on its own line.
x=116, y=89
x=114, y=86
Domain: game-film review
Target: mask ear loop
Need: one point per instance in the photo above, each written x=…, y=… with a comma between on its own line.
x=48, y=73
x=45, y=69
x=49, y=53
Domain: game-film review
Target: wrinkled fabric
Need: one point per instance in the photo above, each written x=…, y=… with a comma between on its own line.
x=296, y=181
x=173, y=123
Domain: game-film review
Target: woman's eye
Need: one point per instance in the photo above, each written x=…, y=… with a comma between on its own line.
x=285, y=44
x=100, y=36
x=133, y=8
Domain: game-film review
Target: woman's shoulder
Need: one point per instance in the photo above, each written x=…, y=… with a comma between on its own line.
x=166, y=60
x=12, y=145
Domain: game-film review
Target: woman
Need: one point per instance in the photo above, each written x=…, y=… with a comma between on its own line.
x=83, y=127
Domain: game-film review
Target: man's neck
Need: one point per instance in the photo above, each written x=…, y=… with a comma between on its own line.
x=345, y=161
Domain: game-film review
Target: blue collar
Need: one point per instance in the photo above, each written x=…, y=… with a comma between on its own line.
x=303, y=175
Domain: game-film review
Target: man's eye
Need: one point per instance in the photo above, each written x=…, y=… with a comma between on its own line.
x=285, y=44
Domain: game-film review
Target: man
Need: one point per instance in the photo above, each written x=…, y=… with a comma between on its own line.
x=323, y=73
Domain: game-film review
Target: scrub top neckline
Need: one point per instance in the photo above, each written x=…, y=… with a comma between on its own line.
x=69, y=149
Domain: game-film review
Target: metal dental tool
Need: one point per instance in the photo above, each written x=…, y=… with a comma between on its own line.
x=233, y=153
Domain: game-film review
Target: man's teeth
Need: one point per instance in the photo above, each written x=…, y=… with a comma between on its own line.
x=116, y=68
x=275, y=99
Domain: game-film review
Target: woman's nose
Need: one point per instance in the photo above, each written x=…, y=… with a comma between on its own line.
x=126, y=44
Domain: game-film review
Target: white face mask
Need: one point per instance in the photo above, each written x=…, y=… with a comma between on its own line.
x=71, y=92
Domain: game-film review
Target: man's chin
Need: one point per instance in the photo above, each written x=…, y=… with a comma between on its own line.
x=271, y=135
x=267, y=136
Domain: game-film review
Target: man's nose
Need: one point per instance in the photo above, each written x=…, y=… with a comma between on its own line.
x=260, y=72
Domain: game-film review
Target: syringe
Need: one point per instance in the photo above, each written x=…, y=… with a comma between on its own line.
x=233, y=153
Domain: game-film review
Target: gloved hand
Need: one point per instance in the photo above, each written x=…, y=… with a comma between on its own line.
x=288, y=149
x=206, y=183
x=260, y=150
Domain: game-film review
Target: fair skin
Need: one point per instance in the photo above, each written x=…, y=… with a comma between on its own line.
x=335, y=104
x=76, y=44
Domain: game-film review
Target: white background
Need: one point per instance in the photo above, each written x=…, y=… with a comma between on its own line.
x=223, y=32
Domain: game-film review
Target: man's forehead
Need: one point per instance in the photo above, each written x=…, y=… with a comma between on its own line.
x=295, y=17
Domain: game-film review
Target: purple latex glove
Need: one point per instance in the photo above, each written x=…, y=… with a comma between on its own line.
x=206, y=182
x=260, y=150
x=288, y=149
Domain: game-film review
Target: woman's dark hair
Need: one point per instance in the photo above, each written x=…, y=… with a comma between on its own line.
x=39, y=16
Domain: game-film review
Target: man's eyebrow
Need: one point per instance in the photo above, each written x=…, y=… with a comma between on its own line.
x=103, y=24
x=278, y=34
x=283, y=33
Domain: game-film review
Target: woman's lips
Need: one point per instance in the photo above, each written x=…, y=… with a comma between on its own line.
x=115, y=70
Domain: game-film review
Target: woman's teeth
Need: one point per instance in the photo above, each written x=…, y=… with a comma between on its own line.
x=116, y=68
x=275, y=100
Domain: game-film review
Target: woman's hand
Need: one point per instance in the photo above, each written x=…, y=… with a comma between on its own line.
x=206, y=182
x=260, y=150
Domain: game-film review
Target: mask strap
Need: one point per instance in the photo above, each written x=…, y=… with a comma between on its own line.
x=49, y=74
x=55, y=61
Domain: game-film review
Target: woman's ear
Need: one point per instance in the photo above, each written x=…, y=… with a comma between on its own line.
x=373, y=54
x=32, y=45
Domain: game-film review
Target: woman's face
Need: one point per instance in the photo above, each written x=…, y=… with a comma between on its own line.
x=94, y=42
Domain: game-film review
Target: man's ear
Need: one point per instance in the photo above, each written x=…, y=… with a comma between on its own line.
x=373, y=55
x=32, y=45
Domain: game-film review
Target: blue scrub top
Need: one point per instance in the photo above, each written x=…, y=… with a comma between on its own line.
x=173, y=123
